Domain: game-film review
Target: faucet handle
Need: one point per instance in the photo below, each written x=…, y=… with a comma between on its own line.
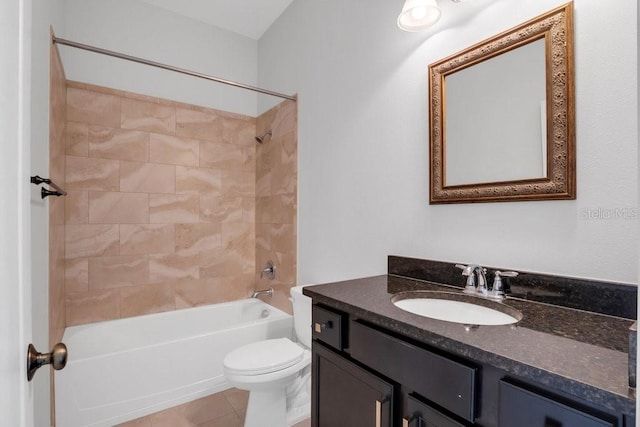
x=506, y=273
x=467, y=270
x=497, y=290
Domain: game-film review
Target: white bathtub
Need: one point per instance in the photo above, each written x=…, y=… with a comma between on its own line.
x=124, y=369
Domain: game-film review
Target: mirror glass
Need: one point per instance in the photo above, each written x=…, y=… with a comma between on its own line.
x=502, y=116
x=496, y=119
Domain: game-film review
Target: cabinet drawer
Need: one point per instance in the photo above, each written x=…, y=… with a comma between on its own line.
x=328, y=327
x=524, y=408
x=423, y=415
x=445, y=382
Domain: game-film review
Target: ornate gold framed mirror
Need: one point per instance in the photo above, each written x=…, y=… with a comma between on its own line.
x=502, y=120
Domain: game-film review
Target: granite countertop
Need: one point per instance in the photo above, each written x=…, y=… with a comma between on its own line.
x=578, y=352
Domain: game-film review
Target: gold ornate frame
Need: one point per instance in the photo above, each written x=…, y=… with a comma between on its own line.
x=556, y=27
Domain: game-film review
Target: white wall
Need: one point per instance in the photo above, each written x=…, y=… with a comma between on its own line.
x=139, y=29
x=363, y=142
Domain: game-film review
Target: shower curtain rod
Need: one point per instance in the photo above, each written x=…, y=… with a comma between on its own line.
x=167, y=67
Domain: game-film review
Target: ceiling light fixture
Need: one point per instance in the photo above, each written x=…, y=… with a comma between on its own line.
x=418, y=15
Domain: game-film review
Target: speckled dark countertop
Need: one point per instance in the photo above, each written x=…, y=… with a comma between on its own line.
x=578, y=352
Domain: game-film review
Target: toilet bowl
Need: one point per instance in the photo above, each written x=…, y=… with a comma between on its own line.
x=276, y=372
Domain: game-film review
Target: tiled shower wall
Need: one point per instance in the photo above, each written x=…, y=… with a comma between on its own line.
x=276, y=200
x=161, y=208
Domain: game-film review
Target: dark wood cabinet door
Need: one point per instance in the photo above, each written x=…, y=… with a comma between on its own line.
x=346, y=395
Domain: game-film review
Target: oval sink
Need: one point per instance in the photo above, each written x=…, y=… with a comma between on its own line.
x=456, y=307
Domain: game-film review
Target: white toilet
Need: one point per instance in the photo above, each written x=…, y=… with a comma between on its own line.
x=276, y=372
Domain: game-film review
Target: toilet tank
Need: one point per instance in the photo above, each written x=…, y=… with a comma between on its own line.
x=301, y=315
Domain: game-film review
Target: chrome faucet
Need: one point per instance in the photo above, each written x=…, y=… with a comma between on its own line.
x=476, y=278
x=477, y=281
x=257, y=293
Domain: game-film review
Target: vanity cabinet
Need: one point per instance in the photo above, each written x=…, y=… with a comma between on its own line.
x=364, y=375
x=380, y=380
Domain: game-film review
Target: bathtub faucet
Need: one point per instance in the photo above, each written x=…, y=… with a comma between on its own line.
x=256, y=294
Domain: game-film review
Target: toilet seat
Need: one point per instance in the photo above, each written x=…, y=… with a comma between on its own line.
x=263, y=357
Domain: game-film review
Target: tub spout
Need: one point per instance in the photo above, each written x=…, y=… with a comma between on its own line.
x=257, y=293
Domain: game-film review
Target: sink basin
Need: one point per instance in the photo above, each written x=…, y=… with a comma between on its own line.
x=456, y=307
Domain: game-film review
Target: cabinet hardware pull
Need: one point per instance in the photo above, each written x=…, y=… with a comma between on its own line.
x=319, y=327
x=378, y=413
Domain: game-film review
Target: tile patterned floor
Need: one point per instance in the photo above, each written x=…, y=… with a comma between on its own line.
x=225, y=409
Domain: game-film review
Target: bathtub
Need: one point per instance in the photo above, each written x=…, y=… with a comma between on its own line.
x=124, y=369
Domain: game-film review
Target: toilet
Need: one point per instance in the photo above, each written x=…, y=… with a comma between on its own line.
x=276, y=372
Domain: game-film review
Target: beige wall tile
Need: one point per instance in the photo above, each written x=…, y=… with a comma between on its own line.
x=174, y=208
x=196, y=235
x=238, y=183
x=77, y=139
x=139, y=300
x=118, y=208
x=239, y=286
x=111, y=143
x=77, y=85
x=263, y=183
x=263, y=239
x=193, y=293
x=289, y=208
x=221, y=209
x=76, y=275
x=269, y=210
x=140, y=97
x=286, y=119
x=147, y=116
x=118, y=271
x=91, y=174
x=147, y=177
x=193, y=238
x=146, y=239
x=237, y=235
x=249, y=209
x=92, y=306
x=220, y=263
x=76, y=207
x=239, y=132
x=91, y=107
x=222, y=155
x=103, y=89
x=282, y=181
x=83, y=241
x=198, y=180
x=174, y=150
x=198, y=124
x=176, y=266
